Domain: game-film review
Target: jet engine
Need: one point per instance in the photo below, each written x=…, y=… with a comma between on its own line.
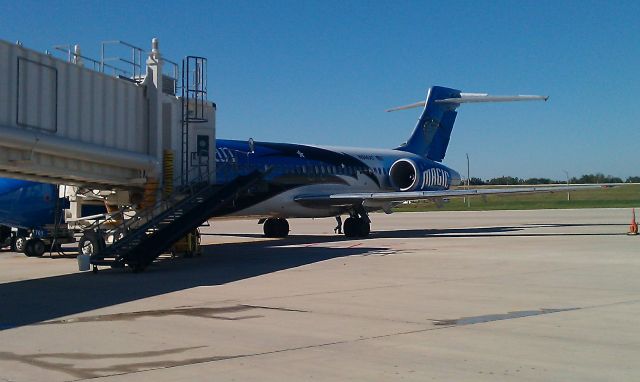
x=404, y=175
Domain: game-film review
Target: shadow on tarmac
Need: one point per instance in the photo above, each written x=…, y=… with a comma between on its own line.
x=514, y=231
x=32, y=301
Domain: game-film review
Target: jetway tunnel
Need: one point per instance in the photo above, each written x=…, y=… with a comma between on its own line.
x=65, y=122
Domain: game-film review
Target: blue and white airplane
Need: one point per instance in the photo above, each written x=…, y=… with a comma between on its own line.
x=308, y=181
x=24, y=205
x=316, y=181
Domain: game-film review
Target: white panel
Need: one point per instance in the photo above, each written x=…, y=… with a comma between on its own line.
x=37, y=95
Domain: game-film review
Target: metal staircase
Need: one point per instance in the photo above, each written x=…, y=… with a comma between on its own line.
x=146, y=236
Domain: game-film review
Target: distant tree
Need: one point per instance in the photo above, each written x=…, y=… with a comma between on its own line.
x=538, y=181
x=476, y=181
x=506, y=180
x=596, y=178
x=633, y=179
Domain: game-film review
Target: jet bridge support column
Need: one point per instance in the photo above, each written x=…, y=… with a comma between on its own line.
x=153, y=80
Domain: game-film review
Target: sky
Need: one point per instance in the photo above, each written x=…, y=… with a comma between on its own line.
x=323, y=72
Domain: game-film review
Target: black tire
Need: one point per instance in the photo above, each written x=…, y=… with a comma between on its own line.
x=276, y=227
x=90, y=243
x=19, y=244
x=269, y=227
x=34, y=248
x=364, y=228
x=350, y=227
x=283, y=228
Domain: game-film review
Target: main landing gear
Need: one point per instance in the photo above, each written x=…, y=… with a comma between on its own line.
x=276, y=227
x=357, y=227
x=358, y=224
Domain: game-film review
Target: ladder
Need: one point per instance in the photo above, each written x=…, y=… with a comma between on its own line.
x=165, y=225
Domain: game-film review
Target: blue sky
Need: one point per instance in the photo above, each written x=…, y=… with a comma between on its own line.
x=323, y=72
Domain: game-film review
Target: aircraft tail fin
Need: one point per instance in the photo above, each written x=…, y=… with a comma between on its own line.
x=430, y=138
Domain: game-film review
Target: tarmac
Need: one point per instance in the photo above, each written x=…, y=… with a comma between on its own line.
x=450, y=296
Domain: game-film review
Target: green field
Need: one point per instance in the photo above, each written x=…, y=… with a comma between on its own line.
x=621, y=196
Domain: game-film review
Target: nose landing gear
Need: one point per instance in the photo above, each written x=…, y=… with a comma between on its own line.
x=276, y=227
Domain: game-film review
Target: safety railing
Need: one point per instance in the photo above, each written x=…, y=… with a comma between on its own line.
x=146, y=214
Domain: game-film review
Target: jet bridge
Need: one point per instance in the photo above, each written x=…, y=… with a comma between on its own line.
x=88, y=123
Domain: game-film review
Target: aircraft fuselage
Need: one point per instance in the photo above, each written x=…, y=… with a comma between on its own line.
x=309, y=169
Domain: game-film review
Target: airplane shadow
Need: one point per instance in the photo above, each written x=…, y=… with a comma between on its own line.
x=515, y=231
x=32, y=301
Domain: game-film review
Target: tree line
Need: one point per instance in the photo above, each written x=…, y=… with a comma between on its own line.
x=588, y=178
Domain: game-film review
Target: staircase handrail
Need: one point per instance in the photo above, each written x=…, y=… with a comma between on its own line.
x=165, y=201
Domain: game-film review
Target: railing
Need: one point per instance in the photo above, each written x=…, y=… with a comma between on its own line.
x=137, y=54
x=143, y=216
x=136, y=66
x=97, y=65
x=146, y=214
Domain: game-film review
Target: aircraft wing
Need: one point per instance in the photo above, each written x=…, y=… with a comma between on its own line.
x=345, y=199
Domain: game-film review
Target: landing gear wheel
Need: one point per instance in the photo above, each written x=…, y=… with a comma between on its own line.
x=90, y=244
x=350, y=227
x=276, y=227
x=356, y=227
x=34, y=248
x=19, y=244
x=364, y=228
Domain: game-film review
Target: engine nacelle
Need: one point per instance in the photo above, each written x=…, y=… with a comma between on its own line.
x=405, y=175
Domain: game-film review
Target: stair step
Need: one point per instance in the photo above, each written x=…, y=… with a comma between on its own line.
x=169, y=222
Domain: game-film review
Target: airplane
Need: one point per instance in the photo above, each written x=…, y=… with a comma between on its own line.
x=310, y=181
x=24, y=205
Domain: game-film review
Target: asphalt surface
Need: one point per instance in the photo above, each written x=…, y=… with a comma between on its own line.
x=454, y=296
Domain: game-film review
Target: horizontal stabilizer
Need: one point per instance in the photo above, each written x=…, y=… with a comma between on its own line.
x=471, y=98
x=474, y=98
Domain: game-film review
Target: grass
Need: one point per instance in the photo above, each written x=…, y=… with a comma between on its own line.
x=622, y=196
